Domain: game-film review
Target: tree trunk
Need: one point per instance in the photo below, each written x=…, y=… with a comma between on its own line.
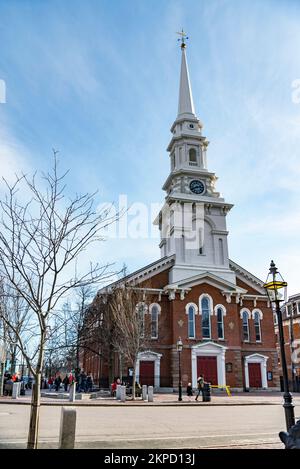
x=32, y=442
x=13, y=362
x=111, y=368
x=2, y=378
x=133, y=381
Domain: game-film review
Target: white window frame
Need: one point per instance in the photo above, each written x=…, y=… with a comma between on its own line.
x=223, y=309
x=156, y=305
x=145, y=309
x=187, y=312
x=211, y=311
x=247, y=311
x=260, y=316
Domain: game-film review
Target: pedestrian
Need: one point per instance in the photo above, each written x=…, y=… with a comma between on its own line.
x=189, y=390
x=89, y=383
x=57, y=383
x=50, y=383
x=82, y=382
x=200, y=386
x=66, y=383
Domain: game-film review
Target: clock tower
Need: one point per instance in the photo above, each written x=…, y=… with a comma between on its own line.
x=192, y=221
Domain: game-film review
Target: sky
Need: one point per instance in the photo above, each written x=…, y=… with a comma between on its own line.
x=98, y=80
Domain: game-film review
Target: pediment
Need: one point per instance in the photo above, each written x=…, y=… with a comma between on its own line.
x=208, y=346
x=209, y=278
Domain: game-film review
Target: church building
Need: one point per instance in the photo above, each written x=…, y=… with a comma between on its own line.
x=194, y=292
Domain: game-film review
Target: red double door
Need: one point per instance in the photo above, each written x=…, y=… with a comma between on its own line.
x=254, y=375
x=207, y=367
x=147, y=373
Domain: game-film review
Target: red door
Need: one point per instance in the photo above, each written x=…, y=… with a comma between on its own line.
x=207, y=367
x=254, y=375
x=147, y=373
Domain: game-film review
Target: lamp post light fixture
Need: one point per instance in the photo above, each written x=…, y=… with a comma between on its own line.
x=273, y=285
x=179, y=347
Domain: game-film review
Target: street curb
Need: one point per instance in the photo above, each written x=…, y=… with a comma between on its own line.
x=142, y=404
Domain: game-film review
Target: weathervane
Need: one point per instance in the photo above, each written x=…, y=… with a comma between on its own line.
x=182, y=39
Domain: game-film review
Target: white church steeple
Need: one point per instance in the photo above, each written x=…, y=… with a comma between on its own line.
x=186, y=105
x=192, y=221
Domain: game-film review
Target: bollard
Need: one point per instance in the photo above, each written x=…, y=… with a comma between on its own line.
x=118, y=392
x=123, y=394
x=72, y=395
x=67, y=428
x=150, y=393
x=16, y=390
x=144, y=392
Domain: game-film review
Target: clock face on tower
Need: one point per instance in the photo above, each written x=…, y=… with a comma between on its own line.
x=197, y=187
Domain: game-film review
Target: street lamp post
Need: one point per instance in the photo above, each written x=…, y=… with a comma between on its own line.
x=273, y=284
x=179, y=350
x=292, y=345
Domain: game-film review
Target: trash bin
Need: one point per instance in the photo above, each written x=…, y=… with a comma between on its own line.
x=22, y=389
x=206, y=393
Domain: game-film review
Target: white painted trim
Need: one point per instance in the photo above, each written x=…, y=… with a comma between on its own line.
x=257, y=358
x=211, y=303
x=150, y=356
x=210, y=349
x=151, y=306
x=257, y=310
x=247, y=311
x=191, y=304
x=223, y=315
x=222, y=307
x=194, y=320
x=158, y=313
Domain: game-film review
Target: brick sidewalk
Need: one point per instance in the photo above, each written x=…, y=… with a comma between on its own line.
x=217, y=399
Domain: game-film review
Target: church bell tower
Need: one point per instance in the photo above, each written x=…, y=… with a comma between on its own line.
x=192, y=221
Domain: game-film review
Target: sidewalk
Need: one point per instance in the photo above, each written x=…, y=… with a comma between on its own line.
x=170, y=399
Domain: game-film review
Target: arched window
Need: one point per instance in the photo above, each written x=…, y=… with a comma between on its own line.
x=257, y=328
x=192, y=156
x=141, y=310
x=154, y=310
x=245, y=318
x=191, y=322
x=206, y=312
x=220, y=312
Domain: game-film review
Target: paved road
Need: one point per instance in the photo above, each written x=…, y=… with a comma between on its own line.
x=151, y=427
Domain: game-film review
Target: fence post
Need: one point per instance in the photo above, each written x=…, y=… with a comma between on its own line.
x=150, y=393
x=118, y=392
x=72, y=395
x=67, y=428
x=123, y=394
x=16, y=390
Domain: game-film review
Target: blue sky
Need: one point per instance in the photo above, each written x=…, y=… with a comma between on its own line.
x=98, y=80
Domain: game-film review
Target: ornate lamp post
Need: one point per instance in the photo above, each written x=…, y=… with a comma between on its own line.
x=179, y=347
x=273, y=284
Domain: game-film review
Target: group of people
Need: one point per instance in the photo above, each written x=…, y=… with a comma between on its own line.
x=84, y=382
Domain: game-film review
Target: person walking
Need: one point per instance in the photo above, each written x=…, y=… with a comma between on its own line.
x=189, y=391
x=89, y=383
x=200, y=386
x=57, y=383
x=82, y=382
x=66, y=383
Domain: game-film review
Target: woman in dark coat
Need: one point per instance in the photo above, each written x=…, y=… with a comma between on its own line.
x=66, y=382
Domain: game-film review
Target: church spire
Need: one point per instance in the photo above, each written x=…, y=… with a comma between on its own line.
x=186, y=104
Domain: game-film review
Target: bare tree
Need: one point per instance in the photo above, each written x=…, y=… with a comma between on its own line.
x=132, y=331
x=41, y=242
